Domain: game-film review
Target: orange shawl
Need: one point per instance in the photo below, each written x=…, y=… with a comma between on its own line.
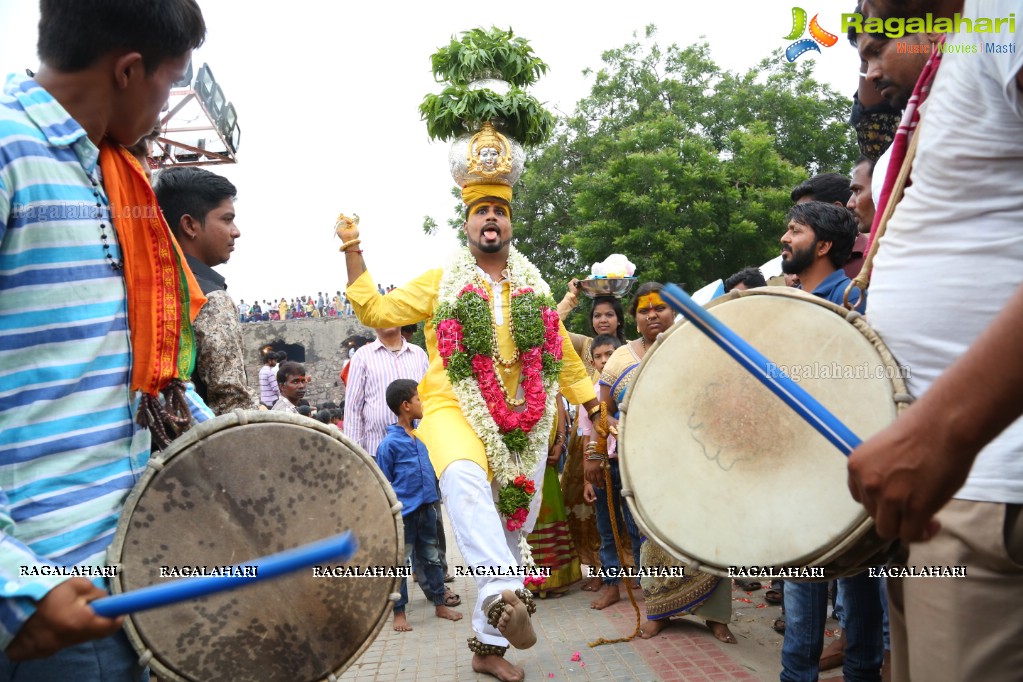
x=163, y=296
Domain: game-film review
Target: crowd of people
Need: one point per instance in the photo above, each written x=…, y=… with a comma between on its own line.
x=323, y=305
x=124, y=337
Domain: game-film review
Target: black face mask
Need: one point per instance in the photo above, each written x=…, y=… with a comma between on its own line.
x=875, y=127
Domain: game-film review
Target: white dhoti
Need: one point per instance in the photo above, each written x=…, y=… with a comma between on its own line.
x=482, y=537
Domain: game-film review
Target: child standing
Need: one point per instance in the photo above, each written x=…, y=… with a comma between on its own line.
x=601, y=353
x=405, y=463
x=601, y=349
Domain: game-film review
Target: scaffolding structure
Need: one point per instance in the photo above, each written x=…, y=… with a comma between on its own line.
x=200, y=126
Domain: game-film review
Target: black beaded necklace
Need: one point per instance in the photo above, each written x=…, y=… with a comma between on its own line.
x=116, y=265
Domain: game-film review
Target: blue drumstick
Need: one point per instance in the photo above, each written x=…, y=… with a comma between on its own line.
x=338, y=548
x=763, y=370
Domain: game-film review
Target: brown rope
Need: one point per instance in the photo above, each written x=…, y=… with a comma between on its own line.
x=602, y=449
x=168, y=419
x=862, y=280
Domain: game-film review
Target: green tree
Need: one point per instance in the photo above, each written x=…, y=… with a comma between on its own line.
x=683, y=166
x=679, y=164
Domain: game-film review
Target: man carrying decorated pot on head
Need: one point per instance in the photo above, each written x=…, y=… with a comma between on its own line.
x=498, y=357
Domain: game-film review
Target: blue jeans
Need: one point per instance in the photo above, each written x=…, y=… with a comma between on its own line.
x=110, y=659
x=421, y=536
x=883, y=589
x=806, y=612
x=608, y=553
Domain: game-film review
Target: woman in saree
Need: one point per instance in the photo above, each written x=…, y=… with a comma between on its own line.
x=696, y=593
x=606, y=317
x=550, y=540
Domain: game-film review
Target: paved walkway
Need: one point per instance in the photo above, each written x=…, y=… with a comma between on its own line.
x=436, y=649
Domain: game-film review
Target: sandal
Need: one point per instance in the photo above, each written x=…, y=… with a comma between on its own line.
x=773, y=597
x=748, y=585
x=450, y=598
x=779, y=625
x=448, y=578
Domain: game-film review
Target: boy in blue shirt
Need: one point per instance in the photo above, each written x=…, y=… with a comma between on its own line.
x=405, y=463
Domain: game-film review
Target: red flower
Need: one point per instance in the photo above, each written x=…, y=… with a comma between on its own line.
x=449, y=338
x=483, y=366
x=513, y=524
x=530, y=487
x=519, y=481
x=521, y=513
x=473, y=289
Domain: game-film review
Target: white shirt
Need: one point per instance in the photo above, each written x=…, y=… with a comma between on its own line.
x=952, y=255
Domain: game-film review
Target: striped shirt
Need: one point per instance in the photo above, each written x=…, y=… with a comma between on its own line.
x=70, y=450
x=269, y=392
x=371, y=371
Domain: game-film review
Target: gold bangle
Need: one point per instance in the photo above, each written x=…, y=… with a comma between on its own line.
x=352, y=242
x=594, y=411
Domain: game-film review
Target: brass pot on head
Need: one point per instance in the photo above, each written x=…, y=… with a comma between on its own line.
x=486, y=155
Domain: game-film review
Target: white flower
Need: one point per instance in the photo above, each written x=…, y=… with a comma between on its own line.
x=616, y=265
x=505, y=466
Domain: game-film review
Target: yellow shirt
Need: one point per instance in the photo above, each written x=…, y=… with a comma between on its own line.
x=443, y=429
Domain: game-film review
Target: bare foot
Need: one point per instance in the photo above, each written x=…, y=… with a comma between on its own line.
x=593, y=584
x=608, y=595
x=400, y=623
x=721, y=631
x=445, y=612
x=498, y=667
x=651, y=628
x=514, y=623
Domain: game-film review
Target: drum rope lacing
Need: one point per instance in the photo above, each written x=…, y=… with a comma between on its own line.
x=602, y=430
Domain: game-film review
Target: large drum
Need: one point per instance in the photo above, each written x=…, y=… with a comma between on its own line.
x=243, y=486
x=721, y=473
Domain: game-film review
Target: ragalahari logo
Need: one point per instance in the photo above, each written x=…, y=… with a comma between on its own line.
x=818, y=35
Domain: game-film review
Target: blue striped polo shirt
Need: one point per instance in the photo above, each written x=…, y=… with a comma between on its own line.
x=70, y=450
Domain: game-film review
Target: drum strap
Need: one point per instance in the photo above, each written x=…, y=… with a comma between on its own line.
x=603, y=430
x=862, y=280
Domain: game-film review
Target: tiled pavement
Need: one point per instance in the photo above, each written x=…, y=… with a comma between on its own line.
x=436, y=650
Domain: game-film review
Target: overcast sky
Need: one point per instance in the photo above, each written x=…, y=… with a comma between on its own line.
x=327, y=96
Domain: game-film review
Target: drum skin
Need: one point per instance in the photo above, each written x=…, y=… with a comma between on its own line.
x=721, y=473
x=243, y=486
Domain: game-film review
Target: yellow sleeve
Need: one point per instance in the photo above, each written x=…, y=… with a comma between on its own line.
x=576, y=384
x=403, y=305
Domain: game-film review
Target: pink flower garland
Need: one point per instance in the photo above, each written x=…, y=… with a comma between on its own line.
x=449, y=341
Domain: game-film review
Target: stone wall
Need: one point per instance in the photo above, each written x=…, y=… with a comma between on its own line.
x=316, y=342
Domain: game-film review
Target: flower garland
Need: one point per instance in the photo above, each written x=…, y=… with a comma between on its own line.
x=514, y=441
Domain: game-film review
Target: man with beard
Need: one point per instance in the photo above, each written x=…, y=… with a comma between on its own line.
x=815, y=246
x=947, y=476
x=489, y=321
x=894, y=68
x=834, y=188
